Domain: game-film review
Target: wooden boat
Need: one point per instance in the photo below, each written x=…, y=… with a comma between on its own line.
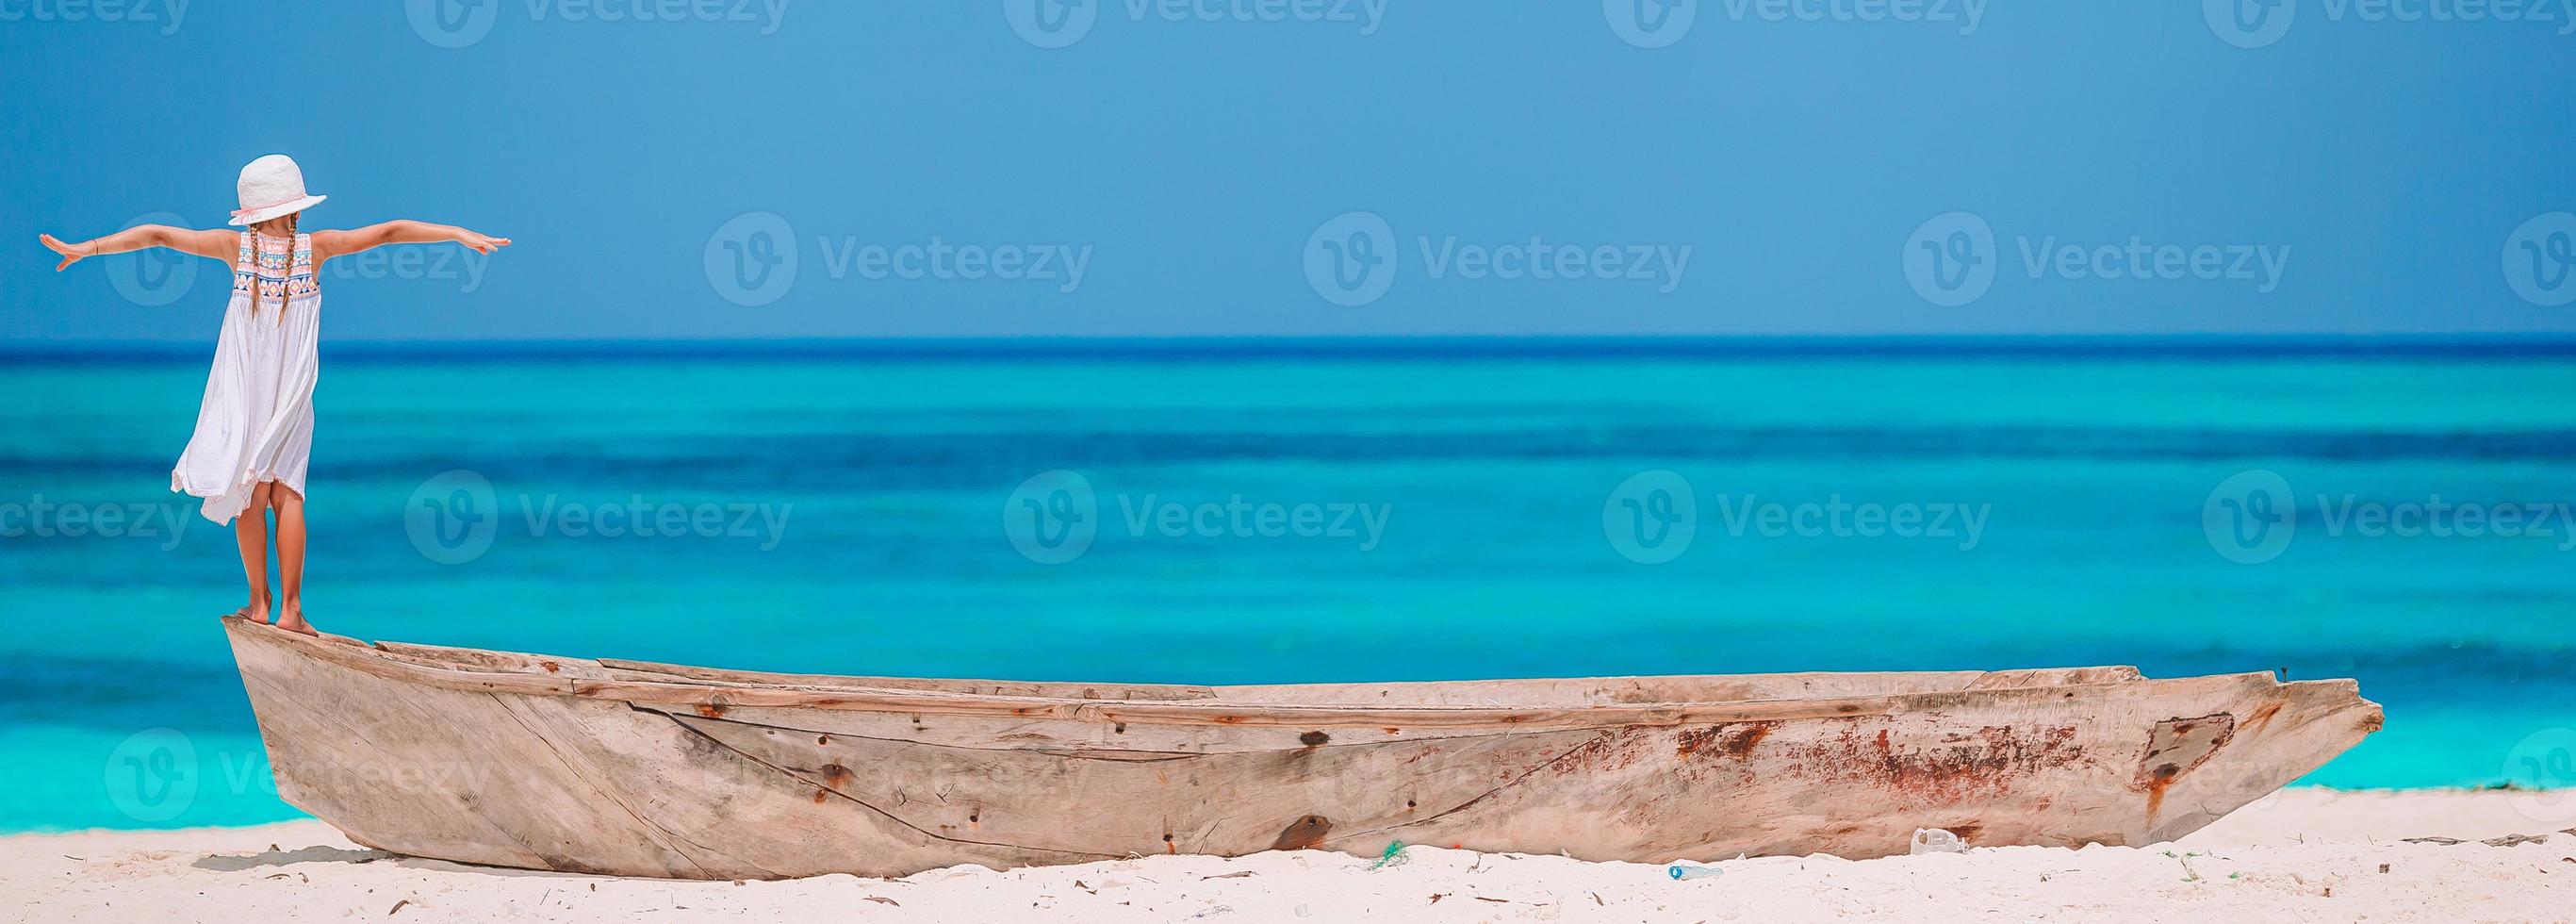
x=641, y=769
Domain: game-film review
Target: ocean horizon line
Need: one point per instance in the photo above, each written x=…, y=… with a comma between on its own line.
x=2036, y=346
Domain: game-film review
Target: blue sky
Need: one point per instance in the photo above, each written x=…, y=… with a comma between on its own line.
x=902, y=168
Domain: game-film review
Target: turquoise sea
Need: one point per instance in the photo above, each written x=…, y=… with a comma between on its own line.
x=1305, y=511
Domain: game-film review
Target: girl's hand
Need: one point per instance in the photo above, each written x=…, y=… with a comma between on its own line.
x=481, y=243
x=72, y=253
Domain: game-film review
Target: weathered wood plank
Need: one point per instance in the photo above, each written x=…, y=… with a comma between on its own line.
x=608, y=766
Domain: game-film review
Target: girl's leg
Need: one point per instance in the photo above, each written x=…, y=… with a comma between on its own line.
x=250, y=534
x=290, y=559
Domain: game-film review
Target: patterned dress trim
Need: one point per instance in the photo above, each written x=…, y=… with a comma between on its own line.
x=279, y=275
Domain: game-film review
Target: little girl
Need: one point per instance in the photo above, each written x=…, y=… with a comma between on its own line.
x=255, y=429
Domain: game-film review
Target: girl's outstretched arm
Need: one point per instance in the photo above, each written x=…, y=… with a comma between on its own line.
x=328, y=244
x=217, y=245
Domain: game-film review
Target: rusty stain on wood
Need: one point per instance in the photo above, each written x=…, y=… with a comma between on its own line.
x=2176, y=747
x=1693, y=740
x=1986, y=763
x=2262, y=716
x=1733, y=740
x=2179, y=745
x=1306, y=833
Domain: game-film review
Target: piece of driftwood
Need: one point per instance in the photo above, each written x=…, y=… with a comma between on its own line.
x=641, y=769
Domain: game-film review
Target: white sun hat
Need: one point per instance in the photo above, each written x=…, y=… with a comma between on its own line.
x=272, y=186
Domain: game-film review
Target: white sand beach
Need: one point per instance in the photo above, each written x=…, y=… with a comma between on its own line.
x=2298, y=855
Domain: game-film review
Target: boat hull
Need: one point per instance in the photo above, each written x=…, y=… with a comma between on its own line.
x=586, y=766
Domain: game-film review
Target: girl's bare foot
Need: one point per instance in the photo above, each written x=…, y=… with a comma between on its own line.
x=256, y=610
x=291, y=619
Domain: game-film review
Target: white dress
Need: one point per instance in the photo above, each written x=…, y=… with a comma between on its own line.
x=256, y=424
